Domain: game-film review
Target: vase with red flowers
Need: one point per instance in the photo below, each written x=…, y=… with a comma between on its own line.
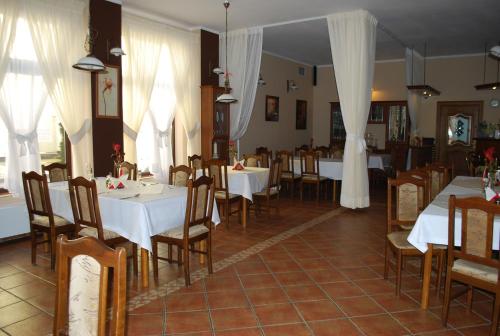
x=117, y=155
x=491, y=166
x=232, y=151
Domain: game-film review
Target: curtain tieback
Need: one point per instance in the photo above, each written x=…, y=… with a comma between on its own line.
x=359, y=140
x=27, y=143
x=129, y=132
x=163, y=137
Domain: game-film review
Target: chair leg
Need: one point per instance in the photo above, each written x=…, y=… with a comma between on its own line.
x=469, y=297
x=135, y=260
x=179, y=254
x=155, y=257
x=52, y=245
x=301, y=190
x=227, y=213
x=186, y=266
x=441, y=258
x=398, y=273
x=446, y=300
x=318, y=186
x=494, y=318
x=169, y=256
x=209, y=254
x=386, y=264
x=33, y=247
x=292, y=186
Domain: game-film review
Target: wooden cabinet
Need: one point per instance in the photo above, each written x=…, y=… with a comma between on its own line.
x=484, y=143
x=215, y=124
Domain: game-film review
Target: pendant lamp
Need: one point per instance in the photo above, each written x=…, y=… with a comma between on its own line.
x=226, y=97
x=89, y=62
x=489, y=86
x=423, y=89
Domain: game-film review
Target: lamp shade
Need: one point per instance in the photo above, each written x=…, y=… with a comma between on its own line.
x=117, y=51
x=226, y=98
x=495, y=51
x=89, y=63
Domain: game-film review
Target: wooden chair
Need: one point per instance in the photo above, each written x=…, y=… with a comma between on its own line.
x=87, y=216
x=81, y=305
x=475, y=163
x=217, y=169
x=287, y=170
x=425, y=190
x=3, y=191
x=197, y=226
x=407, y=210
x=309, y=168
x=336, y=153
x=440, y=177
x=195, y=162
x=42, y=219
x=266, y=156
x=298, y=150
x=57, y=171
x=179, y=176
x=272, y=191
x=126, y=168
x=252, y=160
x=323, y=151
x=473, y=263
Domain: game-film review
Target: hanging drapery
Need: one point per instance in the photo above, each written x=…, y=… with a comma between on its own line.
x=414, y=76
x=352, y=40
x=8, y=17
x=142, y=39
x=58, y=29
x=244, y=56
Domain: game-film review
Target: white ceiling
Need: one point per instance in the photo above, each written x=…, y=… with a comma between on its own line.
x=450, y=27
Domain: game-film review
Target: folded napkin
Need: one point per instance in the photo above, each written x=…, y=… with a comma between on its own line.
x=118, y=183
x=239, y=165
x=152, y=189
x=491, y=195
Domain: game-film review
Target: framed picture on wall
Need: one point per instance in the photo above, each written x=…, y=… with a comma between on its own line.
x=107, y=93
x=301, y=115
x=272, y=108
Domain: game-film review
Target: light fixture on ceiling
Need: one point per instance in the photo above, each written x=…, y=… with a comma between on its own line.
x=89, y=62
x=116, y=51
x=489, y=86
x=226, y=97
x=291, y=86
x=261, y=82
x=218, y=71
x=495, y=51
x=423, y=89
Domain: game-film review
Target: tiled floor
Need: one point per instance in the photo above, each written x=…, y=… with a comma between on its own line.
x=308, y=271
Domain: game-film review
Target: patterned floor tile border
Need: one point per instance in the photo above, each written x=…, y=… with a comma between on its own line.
x=174, y=285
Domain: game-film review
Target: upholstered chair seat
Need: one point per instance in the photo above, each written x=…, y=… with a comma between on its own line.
x=313, y=178
x=288, y=175
x=272, y=191
x=178, y=232
x=92, y=232
x=44, y=221
x=475, y=270
x=222, y=195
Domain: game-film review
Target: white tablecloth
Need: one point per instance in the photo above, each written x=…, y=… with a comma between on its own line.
x=432, y=223
x=14, y=217
x=332, y=168
x=135, y=218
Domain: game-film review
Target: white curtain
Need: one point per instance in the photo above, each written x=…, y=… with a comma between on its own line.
x=352, y=40
x=8, y=17
x=414, y=76
x=244, y=56
x=58, y=29
x=142, y=40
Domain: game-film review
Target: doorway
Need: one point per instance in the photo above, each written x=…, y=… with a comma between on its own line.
x=456, y=128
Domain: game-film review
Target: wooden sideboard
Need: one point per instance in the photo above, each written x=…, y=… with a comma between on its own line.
x=484, y=143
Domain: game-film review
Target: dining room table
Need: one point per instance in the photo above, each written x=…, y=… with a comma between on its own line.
x=431, y=226
x=137, y=212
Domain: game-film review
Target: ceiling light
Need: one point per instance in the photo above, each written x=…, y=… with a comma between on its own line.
x=424, y=90
x=117, y=51
x=495, y=51
x=227, y=97
x=218, y=71
x=89, y=62
x=496, y=84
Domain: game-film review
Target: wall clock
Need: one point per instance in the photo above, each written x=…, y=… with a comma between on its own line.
x=494, y=103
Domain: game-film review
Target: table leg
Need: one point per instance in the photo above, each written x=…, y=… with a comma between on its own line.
x=424, y=304
x=244, y=215
x=334, y=196
x=202, y=246
x=145, y=267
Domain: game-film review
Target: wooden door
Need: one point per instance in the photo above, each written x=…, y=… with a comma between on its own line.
x=456, y=127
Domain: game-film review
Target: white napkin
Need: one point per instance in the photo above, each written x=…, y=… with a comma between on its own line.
x=490, y=194
x=152, y=189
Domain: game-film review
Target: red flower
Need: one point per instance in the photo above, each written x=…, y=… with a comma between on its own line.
x=488, y=154
x=117, y=147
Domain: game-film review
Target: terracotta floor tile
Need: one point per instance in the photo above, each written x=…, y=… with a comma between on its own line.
x=245, y=268
x=338, y=327
x=15, y=280
x=393, y=303
x=6, y=270
x=288, y=329
x=376, y=286
x=318, y=310
x=239, y=332
x=185, y=302
x=338, y=290
x=16, y=312
x=150, y=324
x=358, y=306
x=293, y=279
x=258, y=281
x=314, y=264
x=379, y=325
x=443, y=333
x=475, y=331
x=419, y=321
x=359, y=273
x=264, y=296
x=33, y=288
x=342, y=262
x=460, y=317
x=233, y=318
x=221, y=283
x=227, y=299
x=6, y=299
x=187, y=322
x=305, y=293
x=40, y=324
x=155, y=307
x=44, y=301
x=326, y=275
x=277, y=313
x=283, y=266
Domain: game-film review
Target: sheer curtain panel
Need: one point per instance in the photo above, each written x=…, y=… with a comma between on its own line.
x=8, y=17
x=414, y=76
x=143, y=41
x=244, y=56
x=58, y=29
x=352, y=40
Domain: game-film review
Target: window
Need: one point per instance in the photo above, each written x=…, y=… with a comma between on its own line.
x=25, y=96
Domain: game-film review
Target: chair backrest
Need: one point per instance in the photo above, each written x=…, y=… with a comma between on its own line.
x=474, y=163
x=195, y=162
x=126, y=168
x=216, y=169
x=309, y=163
x=252, y=160
x=286, y=161
x=85, y=205
x=336, y=153
x=200, y=203
x=440, y=177
x=82, y=287
x=179, y=176
x=477, y=218
x=57, y=171
x=36, y=193
x=323, y=151
x=266, y=156
x=274, y=175
x=408, y=206
x=303, y=148
x=419, y=174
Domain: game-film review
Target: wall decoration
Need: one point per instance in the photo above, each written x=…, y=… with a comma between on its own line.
x=107, y=87
x=272, y=108
x=301, y=115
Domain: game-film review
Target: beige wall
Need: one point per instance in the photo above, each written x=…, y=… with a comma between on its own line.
x=282, y=134
x=454, y=77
